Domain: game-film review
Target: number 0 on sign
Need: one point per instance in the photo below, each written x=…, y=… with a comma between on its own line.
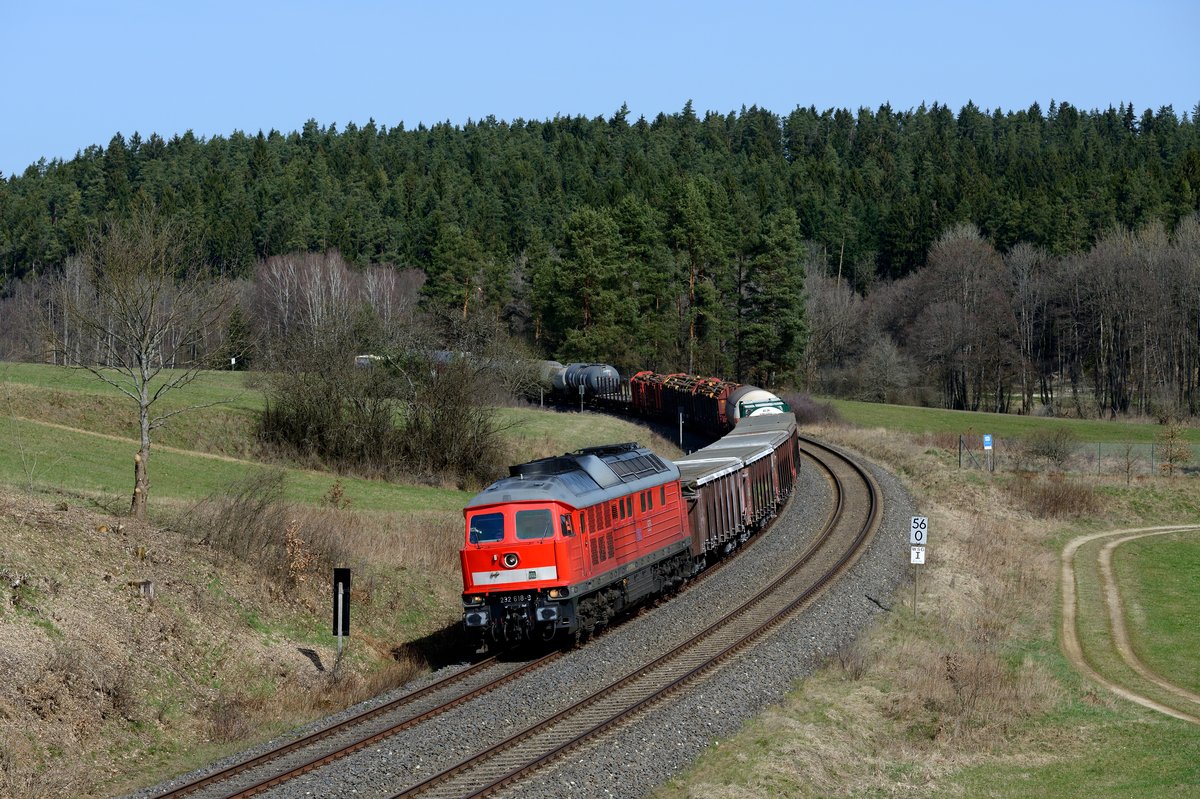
x=918, y=555
x=919, y=532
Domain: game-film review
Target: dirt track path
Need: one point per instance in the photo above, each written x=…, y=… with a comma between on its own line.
x=122, y=439
x=1112, y=601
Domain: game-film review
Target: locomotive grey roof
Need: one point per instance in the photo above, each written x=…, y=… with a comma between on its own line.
x=754, y=437
x=581, y=478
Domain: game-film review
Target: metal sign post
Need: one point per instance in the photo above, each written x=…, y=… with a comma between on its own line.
x=581, y=397
x=987, y=448
x=918, y=536
x=341, y=606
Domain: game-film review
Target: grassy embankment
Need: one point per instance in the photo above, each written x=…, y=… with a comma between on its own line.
x=234, y=646
x=971, y=695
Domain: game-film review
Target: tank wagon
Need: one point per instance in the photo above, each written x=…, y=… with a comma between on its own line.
x=596, y=379
x=563, y=545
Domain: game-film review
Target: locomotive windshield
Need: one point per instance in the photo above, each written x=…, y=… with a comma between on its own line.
x=534, y=524
x=486, y=528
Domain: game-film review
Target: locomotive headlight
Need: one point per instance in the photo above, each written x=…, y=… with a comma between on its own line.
x=475, y=599
x=557, y=593
x=510, y=560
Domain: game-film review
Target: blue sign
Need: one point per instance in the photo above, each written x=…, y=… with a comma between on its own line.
x=987, y=441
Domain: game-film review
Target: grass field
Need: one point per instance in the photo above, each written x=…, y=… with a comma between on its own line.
x=1152, y=757
x=917, y=421
x=228, y=388
x=86, y=460
x=1095, y=633
x=36, y=455
x=1160, y=581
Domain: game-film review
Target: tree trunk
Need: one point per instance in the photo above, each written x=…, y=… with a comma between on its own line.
x=141, y=483
x=141, y=462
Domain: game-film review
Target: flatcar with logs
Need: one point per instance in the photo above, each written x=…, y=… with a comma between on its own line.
x=709, y=404
x=563, y=545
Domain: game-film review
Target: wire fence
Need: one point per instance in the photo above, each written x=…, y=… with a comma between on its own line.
x=1126, y=459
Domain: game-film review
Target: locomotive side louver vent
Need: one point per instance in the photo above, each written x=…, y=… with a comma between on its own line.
x=544, y=467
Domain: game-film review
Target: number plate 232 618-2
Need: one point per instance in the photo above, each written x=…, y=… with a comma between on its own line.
x=516, y=599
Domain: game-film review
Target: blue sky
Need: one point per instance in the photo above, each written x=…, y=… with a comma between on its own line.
x=75, y=73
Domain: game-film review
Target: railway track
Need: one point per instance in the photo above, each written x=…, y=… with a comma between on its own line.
x=849, y=525
x=328, y=744
x=835, y=549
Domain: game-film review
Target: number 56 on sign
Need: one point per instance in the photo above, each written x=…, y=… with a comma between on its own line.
x=918, y=532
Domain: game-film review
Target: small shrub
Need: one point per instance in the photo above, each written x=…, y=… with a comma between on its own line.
x=852, y=660
x=299, y=557
x=247, y=520
x=1053, y=497
x=809, y=411
x=1054, y=446
x=1174, y=450
x=234, y=718
x=336, y=497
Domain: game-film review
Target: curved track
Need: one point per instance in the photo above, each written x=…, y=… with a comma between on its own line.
x=851, y=522
x=849, y=528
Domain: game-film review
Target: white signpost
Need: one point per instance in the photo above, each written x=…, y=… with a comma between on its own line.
x=918, y=537
x=987, y=450
x=918, y=531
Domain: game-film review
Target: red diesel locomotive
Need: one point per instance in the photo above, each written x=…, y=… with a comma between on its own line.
x=564, y=544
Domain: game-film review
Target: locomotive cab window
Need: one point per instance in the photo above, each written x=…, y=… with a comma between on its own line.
x=567, y=530
x=487, y=528
x=534, y=524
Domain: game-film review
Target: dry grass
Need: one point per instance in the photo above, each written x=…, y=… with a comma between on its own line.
x=967, y=682
x=1053, y=496
x=292, y=543
x=920, y=696
x=106, y=689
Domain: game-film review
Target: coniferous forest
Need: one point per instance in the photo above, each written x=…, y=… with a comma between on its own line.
x=975, y=259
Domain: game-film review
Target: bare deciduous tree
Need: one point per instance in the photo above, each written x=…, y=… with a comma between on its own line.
x=141, y=306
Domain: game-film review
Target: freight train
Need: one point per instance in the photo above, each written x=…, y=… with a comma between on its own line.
x=565, y=544
x=709, y=404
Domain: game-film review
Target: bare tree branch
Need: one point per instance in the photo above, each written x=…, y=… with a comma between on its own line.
x=140, y=302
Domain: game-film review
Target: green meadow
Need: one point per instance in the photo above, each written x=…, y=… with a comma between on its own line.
x=918, y=421
x=1159, y=578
